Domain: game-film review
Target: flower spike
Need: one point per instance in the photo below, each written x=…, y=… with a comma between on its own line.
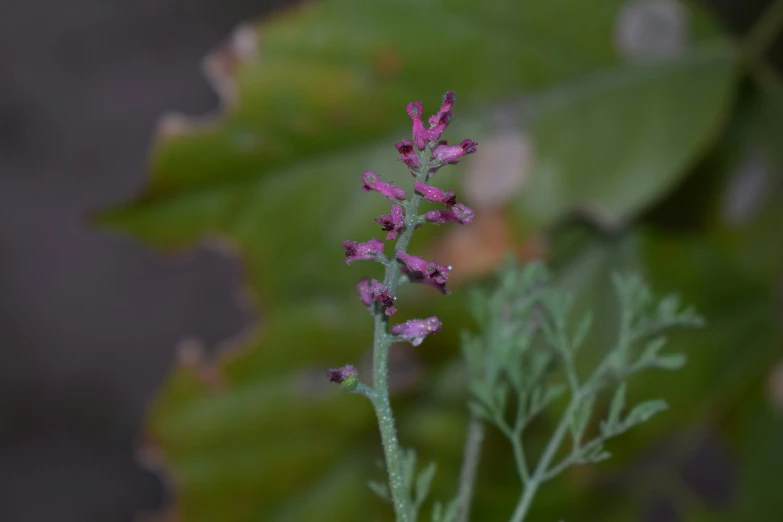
x=423, y=155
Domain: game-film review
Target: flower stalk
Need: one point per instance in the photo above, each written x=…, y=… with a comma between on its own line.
x=424, y=155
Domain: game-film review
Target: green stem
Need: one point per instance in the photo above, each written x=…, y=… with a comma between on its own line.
x=542, y=472
x=519, y=456
x=383, y=412
x=538, y=476
x=382, y=342
x=470, y=461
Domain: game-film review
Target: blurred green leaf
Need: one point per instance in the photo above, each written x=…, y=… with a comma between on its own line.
x=616, y=141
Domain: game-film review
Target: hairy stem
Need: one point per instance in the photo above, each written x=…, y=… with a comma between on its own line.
x=403, y=506
x=383, y=412
x=470, y=462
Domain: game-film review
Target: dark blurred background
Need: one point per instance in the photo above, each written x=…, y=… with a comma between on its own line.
x=89, y=321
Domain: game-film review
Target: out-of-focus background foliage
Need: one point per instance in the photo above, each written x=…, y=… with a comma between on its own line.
x=641, y=135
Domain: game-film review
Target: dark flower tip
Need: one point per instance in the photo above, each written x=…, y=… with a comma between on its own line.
x=469, y=146
x=408, y=155
x=420, y=270
x=382, y=296
x=446, y=153
x=404, y=147
x=393, y=222
x=347, y=377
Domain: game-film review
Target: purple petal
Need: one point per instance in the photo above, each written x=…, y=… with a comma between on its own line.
x=382, y=296
x=459, y=213
x=414, y=111
x=415, y=330
x=408, y=155
x=392, y=223
x=338, y=375
x=365, y=291
x=435, y=194
x=452, y=153
x=362, y=251
x=448, y=103
x=373, y=182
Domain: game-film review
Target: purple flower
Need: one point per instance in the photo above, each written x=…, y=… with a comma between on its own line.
x=448, y=103
x=373, y=182
x=381, y=295
x=415, y=330
x=459, y=213
x=452, y=153
x=393, y=222
x=376, y=296
x=362, y=251
x=347, y=377
x=338, y=375
x=420, y=270
x=409, y=157
x=418, y=264
x=434, y=133
x=435, y=194
x=414, y=111
x=365, y=291
x=422, y=278
x=437, y=122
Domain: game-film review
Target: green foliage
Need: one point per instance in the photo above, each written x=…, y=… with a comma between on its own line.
x=524, y=340
x=447, y=513
x=566, y=119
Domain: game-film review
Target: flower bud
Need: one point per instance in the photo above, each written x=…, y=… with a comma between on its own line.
x=347, y=377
